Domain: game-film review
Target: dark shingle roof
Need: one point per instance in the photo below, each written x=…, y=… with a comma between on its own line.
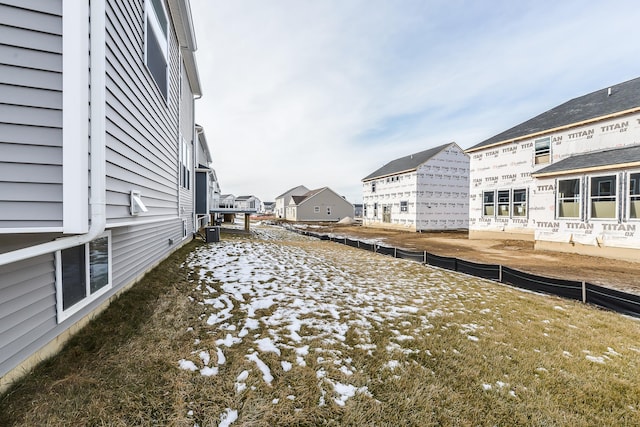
x=610, y=157
x=406, y=163
x=624, y=96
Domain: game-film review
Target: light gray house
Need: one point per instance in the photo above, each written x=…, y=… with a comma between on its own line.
x=248, y=203
x=322, y=204
x=97, y=168
x=283, y=200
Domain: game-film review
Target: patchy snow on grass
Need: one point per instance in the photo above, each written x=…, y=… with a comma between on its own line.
x=293, y=304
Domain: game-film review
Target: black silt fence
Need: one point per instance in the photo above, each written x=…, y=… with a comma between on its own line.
x=612, y=299
x=412, y=255
x=352, y=243
x=385, y=250
x=564, y=288
x=486, y=271
x=367, y=246
x=448, y=263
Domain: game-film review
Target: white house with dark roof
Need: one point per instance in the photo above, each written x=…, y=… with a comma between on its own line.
x=423, y=191
x=568, y=178
x=248, y=203
x=322, y=204
x=283, y=200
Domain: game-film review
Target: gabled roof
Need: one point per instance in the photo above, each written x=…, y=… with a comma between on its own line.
x=407, y=163
x=603, y=159
x=623, y=97
x=298, y=199
x=292, y=189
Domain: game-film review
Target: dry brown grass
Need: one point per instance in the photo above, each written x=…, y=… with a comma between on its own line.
x=526, y=363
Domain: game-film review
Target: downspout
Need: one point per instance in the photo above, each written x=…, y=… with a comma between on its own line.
x=97, y=198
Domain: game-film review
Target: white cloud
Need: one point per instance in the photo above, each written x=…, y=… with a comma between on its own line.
x=323, y=93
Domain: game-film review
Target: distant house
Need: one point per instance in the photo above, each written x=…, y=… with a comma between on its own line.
x=423, y=191
x=227, y=201
x=207, y=188
x=322, y=204
x=569, y=178
x=357, y=207
x=97, y=137
x=283, y=200
x=248, y=203
x=269, y=207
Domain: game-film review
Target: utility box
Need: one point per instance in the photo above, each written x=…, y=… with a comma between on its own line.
x=212, y=234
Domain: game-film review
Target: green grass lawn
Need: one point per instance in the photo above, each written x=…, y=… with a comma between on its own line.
x=280, y=329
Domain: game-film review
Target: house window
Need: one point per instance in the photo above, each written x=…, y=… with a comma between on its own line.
x=568, y=204
x=373, y=186
x=543, y=150
x=185, y=229
x=488, y=203
x=375, y=210
x=634, y=195
x=328, y=210
x=404, y=206
x=364, y=210
x=520, y=202
x=156, y=53
x=316, y=209
x=185, y=165
x=603, y=197
x=504, y=202
x=83, y=273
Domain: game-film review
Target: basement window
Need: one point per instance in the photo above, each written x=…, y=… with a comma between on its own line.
x=83, y=274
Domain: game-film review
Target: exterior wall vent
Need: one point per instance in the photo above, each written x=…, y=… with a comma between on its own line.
x=137, y=205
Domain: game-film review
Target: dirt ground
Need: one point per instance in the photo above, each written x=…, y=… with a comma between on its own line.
x=615, y=274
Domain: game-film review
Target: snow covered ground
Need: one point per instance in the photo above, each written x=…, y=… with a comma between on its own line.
x=307, y=305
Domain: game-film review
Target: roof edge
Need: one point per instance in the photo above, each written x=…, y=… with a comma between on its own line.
x=546, y=131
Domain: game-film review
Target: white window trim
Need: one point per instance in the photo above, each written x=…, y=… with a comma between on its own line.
x=493, y=204
x=62, y=314
x=514, y=204
x=581, y=198
x=616, y=202
x=496, y=203
x=628, y=195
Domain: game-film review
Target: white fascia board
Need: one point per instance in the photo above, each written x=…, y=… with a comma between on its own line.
x=75, y=116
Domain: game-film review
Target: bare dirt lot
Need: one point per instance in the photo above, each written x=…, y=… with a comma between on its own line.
x=621, y=275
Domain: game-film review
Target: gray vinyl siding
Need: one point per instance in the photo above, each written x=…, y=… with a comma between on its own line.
x=31, y=114
x=137, y=248
x=187, y=128
x=27, y=288
x=27, y=309
x=142, y=129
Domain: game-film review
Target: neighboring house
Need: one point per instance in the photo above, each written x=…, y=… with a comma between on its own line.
x=248, y=203
x=206, y=185
x=96, y=171
x=357, y=210
x=227, y=201
x=269, y=207
x=568, y=178
x=428, y=190
x=322, y=204
x=283, y=200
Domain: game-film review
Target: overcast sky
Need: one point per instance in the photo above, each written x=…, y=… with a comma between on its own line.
x=324, y=92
